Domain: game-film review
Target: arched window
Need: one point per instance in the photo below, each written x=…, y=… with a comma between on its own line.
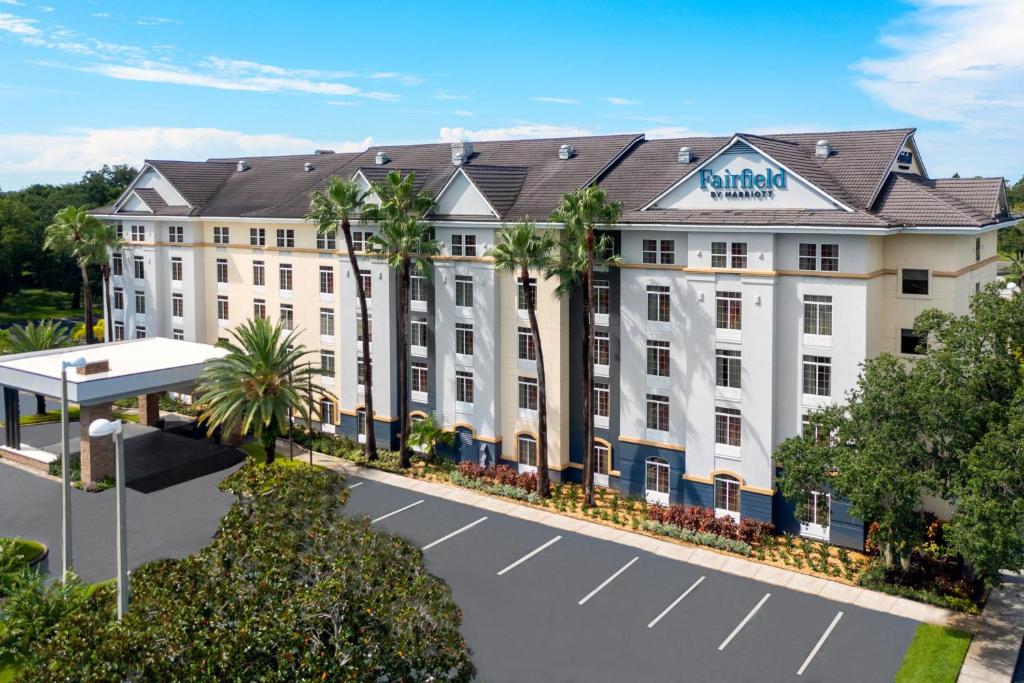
x=328, y=416
x=526, y=450
x=657, y=480
x=727, y=497
x=602, y=463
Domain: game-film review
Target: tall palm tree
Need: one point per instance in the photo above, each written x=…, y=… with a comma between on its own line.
x=522, y=249
x=580, y=212
x=104, y=242
x=405, y=243
x=73, y=233
x=343, y=200
x=41, y=336
x=258, y=384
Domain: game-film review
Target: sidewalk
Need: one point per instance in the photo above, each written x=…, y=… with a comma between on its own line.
x=731, y=564
x=994, y=650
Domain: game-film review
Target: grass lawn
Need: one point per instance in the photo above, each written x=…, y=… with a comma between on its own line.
x=935, y=656
x=7, y=670
x=28, y=549
x=255, y=452
x=38, y=304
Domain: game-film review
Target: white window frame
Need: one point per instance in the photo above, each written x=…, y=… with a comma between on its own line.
x=419, y=331
x=464, y=286
x=818, y=320
x=223, y=310
x=464, y=332
x=602, y=464
x=257, y=237
x=419, y=369
x=464, y=382
x=658, y=470
x=602, y=338
x=524, y=384
x=526, y=462
x=659, y=431
x=602, y=292
x=328, y=324
x=326, y=282
x=812, y=527
x=730, y=486
x=602, y=390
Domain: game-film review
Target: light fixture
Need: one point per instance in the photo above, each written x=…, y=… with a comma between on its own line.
x=103, y=427
x=65, y=469
x=79, y=362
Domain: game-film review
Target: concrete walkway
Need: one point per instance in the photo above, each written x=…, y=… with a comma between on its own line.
x=732, y=564
x=996, y=646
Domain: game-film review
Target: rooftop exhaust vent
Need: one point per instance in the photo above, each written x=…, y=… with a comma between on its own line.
x=381, y=158
x=242, y=166
x=323, y=151
x=566, y=152
x=685, y=155
x=307, y=167
x=461, y=152
x=822, y=149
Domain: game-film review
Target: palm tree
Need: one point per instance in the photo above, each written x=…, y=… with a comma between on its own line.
x=404, y=242
x=580, y=212
x=521, y=249
x=42, y=336
x=428, y=435
x=342, y=200
x=73, y=233
x=1011, y=249
x=258, y=384
x=104, y=242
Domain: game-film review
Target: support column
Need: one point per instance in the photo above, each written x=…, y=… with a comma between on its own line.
x=97, y=453
x=149, y=409
x=12, y=418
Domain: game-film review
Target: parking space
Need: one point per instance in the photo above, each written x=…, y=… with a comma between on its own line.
x=543, y=604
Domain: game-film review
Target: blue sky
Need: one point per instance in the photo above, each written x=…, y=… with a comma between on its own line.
x=97, y=81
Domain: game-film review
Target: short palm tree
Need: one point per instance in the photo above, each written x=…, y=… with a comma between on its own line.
x=522, y=249
x=74, y=233
x=406, y=244
x=428, y=435
x=580, y=212
x=343, y=200
x=258, y=384
x=41, y=336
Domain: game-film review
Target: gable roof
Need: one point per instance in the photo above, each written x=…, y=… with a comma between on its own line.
x=500, y=185
x=197, y=181
x=152, y=198
x=910, y=200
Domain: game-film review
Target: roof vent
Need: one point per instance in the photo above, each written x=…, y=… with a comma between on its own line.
x=242, y=166
x=685, y=155
x=307, y=167
x=323, y=151
x=822, y=149
x=461, y=152
x=381, y=158
x=566, y=152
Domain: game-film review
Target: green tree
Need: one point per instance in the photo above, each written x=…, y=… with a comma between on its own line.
x=258, y=384
x=105, y=242
x=428, y=435
x=1015, y=195
x=1011, y=249
x=406, y=243
x=338, y=205
x=521, y=250
x=74, y=232
x=41, y=336
x=580, y=213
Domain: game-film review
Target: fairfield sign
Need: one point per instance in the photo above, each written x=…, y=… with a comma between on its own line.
x=745, y=184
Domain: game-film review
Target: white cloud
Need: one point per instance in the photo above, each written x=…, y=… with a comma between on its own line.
x=46, y=8
x=527, y=130
x=156, y=21
x=12, y=2
x=443, y=95
x=161, y=73
x=619, y=101
x=25, y=154
x=18, y=25
x=663, y=132
x=555, y=100
x=463, y=112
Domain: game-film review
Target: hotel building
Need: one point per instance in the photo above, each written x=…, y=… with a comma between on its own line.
x=758, y=273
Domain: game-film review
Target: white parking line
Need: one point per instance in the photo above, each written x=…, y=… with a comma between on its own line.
x=359, y=483
x=530, y=554
x=608, y=580
x=675, y=602
x=821, y=641
x=743, y=623
x=454, y=533
x=411, y=505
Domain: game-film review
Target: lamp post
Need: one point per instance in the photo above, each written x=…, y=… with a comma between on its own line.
x=103, y=427
x=65, y=469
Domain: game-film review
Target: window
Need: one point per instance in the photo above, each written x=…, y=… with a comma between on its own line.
x=361, y=371
x=830, y=257
x=177, y=306
x=419, y=378
x=259, y=274
x=818, y=315
x=222, y=271
x=728, y=426
x=911, y=343
x=367, y=281
x=464, y=386
x=528, y=393
x=601, y=300
x=285, y=238
x=140, y=331
x=119, y=231
x=118, y=299
x=175, y=234
x=117, y=264
x=259, y=308
x=727, y=494
x=464, y=339
x=815, y=510
x=221, y=235
x=360, y=239
x=361, y=425
x=811, y=427
x=285, y=277
x=138, y=233
x=175, y=334
x=977, y=248
x=809, y=257
x=287, y=317
x=258, y=237
x=118, y=331
x=915, y=281
x=176, y=269
x=657, y=412
x=521, y=293
x=728, y=311
x=326, y=279
x=658, y=303
x=659, y=251
x=369, y=326
x=739, y=255
x=222, y=308
x=140, y=303
x=327, y=413
x=728, y=254
x=418, y=332
x=327, y=363
x=818, y=375
x=657, y=480
x=658, y=358
x=327, y=240
x=602, y=459
x=727, y=368
x=602, y=400
x=327, y=322
x=418, y=288
x=140, y=268
x=464, y=291
x=463, y=245
x=526, y=450
x=718, y=254
x=527, y=347
x=602, y=348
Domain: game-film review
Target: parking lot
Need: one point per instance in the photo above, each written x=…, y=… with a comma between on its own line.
x=542, y=604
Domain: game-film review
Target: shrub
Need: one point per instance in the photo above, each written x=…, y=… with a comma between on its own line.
x=699, y=537
x=703, y=520
x=755, y=532
x=506, y=490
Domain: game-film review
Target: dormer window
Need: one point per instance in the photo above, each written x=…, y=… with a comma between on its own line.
x=463, y=245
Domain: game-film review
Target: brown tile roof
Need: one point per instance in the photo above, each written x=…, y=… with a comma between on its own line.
x=501, y=185
x=152, y=198
x=909, y=200
x=983, y=194
x=754, y=217
x=197, y=181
